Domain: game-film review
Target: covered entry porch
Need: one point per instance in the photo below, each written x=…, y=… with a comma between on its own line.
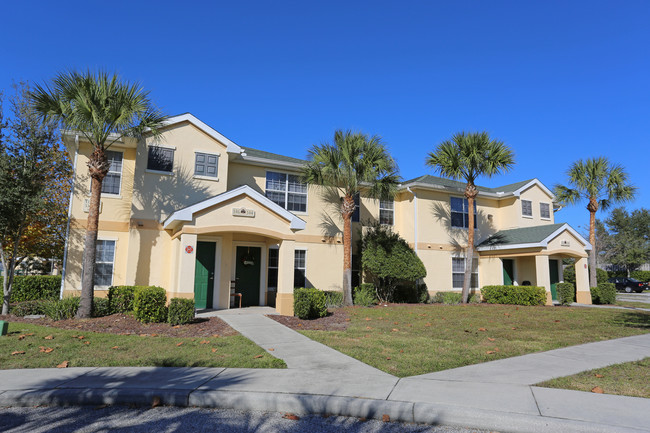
x=533, y=256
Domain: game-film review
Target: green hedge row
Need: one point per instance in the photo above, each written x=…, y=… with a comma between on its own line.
x=639, y=275
x=605, y=293
x=514, y=295
x=309, y=303
x=566, y=293
x=34, y=287
x=451, y=298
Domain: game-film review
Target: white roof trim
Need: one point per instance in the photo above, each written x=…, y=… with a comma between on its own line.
x=543, y=243
x=187, y=214
x=537, y=182
x=187, y=117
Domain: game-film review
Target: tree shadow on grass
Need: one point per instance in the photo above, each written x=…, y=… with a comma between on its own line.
x=633, y=319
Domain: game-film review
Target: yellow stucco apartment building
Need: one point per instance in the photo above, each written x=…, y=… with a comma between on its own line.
x=203, y=217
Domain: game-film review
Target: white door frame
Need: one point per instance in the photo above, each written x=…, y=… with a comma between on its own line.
x=216, y=288
x=263, y=265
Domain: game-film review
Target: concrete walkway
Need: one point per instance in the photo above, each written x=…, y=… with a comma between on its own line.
x=496, y=395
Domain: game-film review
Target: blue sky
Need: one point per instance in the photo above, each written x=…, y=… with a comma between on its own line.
x=555, y=80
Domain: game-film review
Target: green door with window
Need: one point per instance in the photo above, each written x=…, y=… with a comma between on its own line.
x=508, y=272
x=204, y=274
x=554, y=274
x=247, y=275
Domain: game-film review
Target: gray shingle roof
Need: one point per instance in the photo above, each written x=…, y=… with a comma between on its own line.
x=448, y=183
x=256, y=153
x=525, y=235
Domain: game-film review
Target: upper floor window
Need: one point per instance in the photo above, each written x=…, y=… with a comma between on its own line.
x=206, y=164
x=527, y=208
x=545, y=211
x=460, y=212
x=104, y=258
x=287, y=191
x=386, y=211
x=160, y=159
x=113, y=179
x=356, y=215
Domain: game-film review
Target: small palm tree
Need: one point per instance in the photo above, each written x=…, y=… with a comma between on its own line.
x=466, y=157
x=354, y=163
x=601, y=184
x=104, y=109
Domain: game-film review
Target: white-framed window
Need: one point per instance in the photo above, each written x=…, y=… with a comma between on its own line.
x=458, y=273
x=286, y=190
x=460, y=212
x=545, y=211
x=272, y=272
x=113, y=181
x=527, y=208
x=206, y=164
x=386, y=212
x=160, y=159
x=104, y=259
x=300, y=268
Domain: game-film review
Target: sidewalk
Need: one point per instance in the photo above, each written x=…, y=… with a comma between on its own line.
x=496, y=395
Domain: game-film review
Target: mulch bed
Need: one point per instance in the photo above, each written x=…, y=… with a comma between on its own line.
x=336, y=320
x=124, y=324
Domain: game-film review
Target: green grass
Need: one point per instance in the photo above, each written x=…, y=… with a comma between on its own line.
x=106, y=350
x=631, y=379
x=411, y=340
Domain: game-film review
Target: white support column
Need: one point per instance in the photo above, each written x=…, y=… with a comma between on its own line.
x=186, y=263
x=543, y=277
x=583, y=294
x=284, y=299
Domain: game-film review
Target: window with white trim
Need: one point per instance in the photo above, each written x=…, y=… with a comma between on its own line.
x=206, y=164
x=527, y=208
x=386, y=212
x=545, y=211
x=272, y=280
x=458, y=273
x=460, y=212
x=287, y=191
x=160, y=159
x=300, y=268
x=113, y=180
x=104, y=259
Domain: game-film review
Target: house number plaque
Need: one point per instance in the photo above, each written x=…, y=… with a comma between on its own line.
x=243, y=212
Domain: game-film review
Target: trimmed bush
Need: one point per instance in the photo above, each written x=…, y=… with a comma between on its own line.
x=514, y=295
x=601, y=276
x=61, y=309
x=640, y=275
x=474, y=298
x=309, y=303
x=28, y=308
x=605, y=293
x=101, y=307
x=34, y=287
x=181, y=311
x=566, y=293
x=448, y=298
x=333, y=298
x=120, y=298
x=365, y=295
x=149, y=304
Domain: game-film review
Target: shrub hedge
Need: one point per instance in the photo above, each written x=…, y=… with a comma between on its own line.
x=101, y=307
x=451, y=298
x=566, y=293
x=33, y=287
x=515, y=295
x=333, y=298
x=28, y=308
x=120, y=298
x=365, y=295
x=605, y=293
x=181, y=311
x=61, y=309
x=149, y=304
x=309, y=303
x=640, y=275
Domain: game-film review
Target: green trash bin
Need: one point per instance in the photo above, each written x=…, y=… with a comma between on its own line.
x=3, y=327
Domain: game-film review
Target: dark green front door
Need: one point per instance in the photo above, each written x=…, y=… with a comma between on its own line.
x=204, y=274
x=247, y=275
x=508, y=272
x=554, y=275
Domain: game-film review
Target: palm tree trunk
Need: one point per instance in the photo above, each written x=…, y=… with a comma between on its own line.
x=90, y=246
x=347, y=209
x=470, y=193
x=593, y=252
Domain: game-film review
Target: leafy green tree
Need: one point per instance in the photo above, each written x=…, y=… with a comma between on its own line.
x=466, y=157
x=31, y=163
x=103, y=109
x=389, y=261
x=628, y=243
x=353, y=164
x=601, y=184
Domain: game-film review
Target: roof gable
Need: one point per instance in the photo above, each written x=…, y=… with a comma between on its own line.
x=528, y=237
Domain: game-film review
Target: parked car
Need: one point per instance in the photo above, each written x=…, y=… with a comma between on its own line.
x=629, y=285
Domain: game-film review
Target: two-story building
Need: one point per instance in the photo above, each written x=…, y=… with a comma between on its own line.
x=203, y=217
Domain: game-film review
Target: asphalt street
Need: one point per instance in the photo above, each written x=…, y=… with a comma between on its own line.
x=172, y=420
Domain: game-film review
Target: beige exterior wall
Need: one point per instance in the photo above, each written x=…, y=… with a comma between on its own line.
x=510, y=214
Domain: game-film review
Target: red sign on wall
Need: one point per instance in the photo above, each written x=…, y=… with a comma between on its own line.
x=189, y=249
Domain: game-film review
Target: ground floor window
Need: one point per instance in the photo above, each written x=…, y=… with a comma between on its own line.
x=104, y=258
x=300, y=268
x=272, y=280
x=458, y=273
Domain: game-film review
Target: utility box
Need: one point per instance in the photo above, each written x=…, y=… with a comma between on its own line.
x=3, y=327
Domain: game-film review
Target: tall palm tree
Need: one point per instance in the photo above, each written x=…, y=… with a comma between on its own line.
x=602, y=184
x=354, y=163
x=104, y=109
x=466, y=157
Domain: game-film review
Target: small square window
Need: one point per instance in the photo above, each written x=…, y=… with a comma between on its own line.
x=527, y=208
x=545, y=211
x=206, y=164
x=160, y=159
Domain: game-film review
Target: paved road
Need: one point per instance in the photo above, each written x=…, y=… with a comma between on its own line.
x=634, y=297
x=172, y=420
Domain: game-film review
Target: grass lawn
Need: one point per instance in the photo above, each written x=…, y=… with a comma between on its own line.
x=406, y=340
x=631, y=379
x=93, y=349
x=632, y=304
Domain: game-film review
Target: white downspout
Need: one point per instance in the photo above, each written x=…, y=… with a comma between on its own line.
x=415, y=220
x=67, y=228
